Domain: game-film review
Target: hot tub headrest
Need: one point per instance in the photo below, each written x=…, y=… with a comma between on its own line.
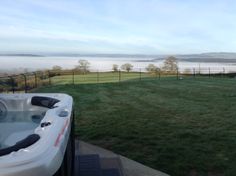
x=46, y=102
x=28, y=141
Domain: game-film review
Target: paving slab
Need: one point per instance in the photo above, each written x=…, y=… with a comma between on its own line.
x=129, y=167
x=111, y=164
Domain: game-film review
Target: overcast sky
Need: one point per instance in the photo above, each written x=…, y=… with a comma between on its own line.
x=117, y=26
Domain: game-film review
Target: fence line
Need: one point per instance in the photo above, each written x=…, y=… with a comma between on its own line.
x=27, y=81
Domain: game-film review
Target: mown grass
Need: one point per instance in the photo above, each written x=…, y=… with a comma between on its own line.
x=102, y=77
x=181, y=127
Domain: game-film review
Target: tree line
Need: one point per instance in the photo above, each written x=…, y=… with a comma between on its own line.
x=170, y=65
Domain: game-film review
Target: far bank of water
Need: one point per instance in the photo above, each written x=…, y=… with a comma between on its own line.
x=9, y=63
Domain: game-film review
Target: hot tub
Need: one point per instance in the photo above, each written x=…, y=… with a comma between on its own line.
x=36, y=134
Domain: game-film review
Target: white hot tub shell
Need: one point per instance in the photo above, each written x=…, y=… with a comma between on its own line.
x=35, y=134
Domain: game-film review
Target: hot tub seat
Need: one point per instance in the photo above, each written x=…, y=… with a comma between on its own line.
x=28, y=141
x=46, y=102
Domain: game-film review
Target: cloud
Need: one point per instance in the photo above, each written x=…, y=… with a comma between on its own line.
x=170, y=26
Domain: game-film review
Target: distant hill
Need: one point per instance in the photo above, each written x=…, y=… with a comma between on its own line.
x=209, y=57
x=22, y=55
x=224, y=57
x=204, y=57
x=221, y=57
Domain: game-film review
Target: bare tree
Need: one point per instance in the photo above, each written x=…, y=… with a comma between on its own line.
x=83, y=66
x=128, y=67
x=151, y=68
x=170, y=64
x=56, y=68
x=115, y=67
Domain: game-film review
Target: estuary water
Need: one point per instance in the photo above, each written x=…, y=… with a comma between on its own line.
x=9, y=63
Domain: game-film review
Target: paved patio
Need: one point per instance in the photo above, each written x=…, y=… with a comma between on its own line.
x=126, y=167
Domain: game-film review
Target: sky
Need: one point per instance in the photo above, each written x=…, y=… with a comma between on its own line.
x=117, y=26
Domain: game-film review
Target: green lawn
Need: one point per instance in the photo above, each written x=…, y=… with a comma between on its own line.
x=181, y=127
x=102, y=77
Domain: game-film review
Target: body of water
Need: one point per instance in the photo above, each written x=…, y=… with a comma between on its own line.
x=10, y=63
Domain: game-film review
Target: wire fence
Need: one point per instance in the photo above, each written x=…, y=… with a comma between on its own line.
x=28, y=81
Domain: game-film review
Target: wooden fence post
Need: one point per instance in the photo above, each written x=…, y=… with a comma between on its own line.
x=177, y=75
x=35, y=80
x=49, y=78
x=12, y=84
x=25, y=80
x=199, y=69
x=156, y=73
x=119, y=76
x=140, y=74
x=97, y=76
x=223, y=71
x=73, y=77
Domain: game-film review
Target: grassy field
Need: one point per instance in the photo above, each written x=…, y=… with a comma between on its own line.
x=102, y=77
x=181, y=127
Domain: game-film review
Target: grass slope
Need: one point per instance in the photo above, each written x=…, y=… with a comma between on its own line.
x=181, y=127
x=101, y=77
